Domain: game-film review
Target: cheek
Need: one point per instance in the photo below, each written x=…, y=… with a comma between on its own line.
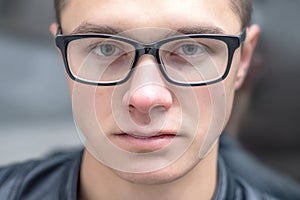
x=205, y=114
x=205, y=100
x=213, y=115
x=103, y=107
x=229, y=100
x=234, y=70
x=90, y=103
x=231, y=80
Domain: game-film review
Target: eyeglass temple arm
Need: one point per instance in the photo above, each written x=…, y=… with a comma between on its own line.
x=243, y=35
x=59, y=31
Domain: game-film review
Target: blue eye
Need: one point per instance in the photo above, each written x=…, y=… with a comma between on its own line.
x=191, y=49
x=107, y=50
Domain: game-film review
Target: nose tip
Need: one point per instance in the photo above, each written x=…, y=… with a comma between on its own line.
x=150, y=96
x=148, y=104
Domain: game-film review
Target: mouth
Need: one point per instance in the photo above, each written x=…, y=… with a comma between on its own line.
x=142, y=144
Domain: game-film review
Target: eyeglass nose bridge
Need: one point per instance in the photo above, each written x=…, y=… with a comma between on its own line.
x=142, y=49
x=147, y=49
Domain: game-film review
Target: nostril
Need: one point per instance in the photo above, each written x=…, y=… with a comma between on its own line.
x=152, y=115
x=140, y=118
x=150, y=96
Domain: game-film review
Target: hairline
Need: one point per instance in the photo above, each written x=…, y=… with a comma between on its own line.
x=236, y=7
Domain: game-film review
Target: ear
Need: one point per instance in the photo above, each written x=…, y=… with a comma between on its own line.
x=53, y=29
x=248, y=47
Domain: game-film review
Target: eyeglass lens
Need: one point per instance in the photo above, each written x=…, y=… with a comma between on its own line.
x=189, y=60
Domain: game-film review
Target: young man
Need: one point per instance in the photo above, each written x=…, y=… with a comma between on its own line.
x=152, y=85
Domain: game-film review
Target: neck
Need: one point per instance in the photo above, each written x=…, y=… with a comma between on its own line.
x=100, y=182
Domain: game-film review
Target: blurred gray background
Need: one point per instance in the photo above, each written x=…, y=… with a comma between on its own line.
x=35, y=110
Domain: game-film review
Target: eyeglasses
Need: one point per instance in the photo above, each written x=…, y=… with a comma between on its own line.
x=184, y=60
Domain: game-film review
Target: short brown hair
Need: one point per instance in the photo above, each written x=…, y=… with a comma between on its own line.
x=59, y=6
x=242, y=7
x=244, y=10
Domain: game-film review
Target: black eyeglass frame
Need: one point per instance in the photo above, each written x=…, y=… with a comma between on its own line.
x=232, y=42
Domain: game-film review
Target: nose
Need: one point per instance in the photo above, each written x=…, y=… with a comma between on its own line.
x=148, y=94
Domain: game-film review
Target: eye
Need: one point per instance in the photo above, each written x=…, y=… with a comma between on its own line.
x=107, y=49
x=191, y=49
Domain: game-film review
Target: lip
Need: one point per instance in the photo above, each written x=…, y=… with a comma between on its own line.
x=139, y=144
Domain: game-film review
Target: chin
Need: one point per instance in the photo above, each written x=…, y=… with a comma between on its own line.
x=163, y=176
x=150, y=178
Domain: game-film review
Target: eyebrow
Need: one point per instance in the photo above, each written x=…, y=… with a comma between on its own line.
x=201, y=30
x=86, y=28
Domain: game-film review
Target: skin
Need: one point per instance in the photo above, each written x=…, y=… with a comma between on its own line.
x=189, y=177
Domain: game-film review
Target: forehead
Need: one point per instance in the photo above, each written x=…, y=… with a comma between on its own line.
x=135, y=14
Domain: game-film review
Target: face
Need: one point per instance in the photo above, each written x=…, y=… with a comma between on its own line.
x=147, y=129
